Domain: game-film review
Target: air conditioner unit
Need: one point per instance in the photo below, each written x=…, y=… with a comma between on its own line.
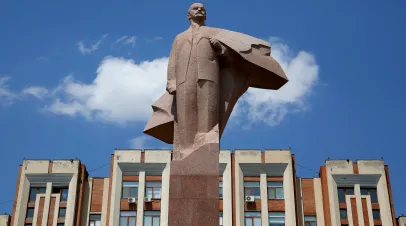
x=132, y=200
x=249, y=198
x=147, y=199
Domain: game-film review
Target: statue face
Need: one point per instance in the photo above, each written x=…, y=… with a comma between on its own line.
x=197, y=11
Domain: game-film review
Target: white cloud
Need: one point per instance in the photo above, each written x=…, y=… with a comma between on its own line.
x=271, y=107
x=36, y=91
x=126, y=40
x=6, y=95
x=87, y=50
x=139, y=142
x=123, y=91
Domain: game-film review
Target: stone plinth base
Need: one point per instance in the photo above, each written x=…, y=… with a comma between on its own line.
x=194, y=188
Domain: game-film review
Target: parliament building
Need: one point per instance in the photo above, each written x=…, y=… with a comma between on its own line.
x=256, y=188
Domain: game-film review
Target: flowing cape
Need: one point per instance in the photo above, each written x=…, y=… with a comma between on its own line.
x=251, y=66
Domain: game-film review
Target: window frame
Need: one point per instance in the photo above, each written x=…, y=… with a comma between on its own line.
x=345, y=192
x=270, y=217
x=310, y=222
x=220, y=189
x=94, y=221
x=60, y=191
x=252, y=217
x=369, y=189
x=59, y=212
x=128, y=217
x=153, y=188
x=346, y=214
x=275, y=188
x=33, y=212
x=378, y=212
x=152, y=215
x=221, y=218
x=38, y=191
x=251, y=187
x=136, y=187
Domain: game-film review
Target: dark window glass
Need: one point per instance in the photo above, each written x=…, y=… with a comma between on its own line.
x=341, y=195
x=275, y=190
x=30, y=212
x=343, y=213
x=62, y=212
x=60, y=224
x=63, y=191
x=371, y=192
x=342, y=192
x=376, y=214
x=27, y=224
x=64, y=194
x=34, y=191
x=130, y=189
x=252, y=189
x=153, y=189
x=221, y=190
x=310, y=221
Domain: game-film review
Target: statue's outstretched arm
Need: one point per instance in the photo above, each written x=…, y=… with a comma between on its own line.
x=171, y=82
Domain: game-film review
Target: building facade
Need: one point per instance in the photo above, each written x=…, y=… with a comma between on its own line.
x=256, y=188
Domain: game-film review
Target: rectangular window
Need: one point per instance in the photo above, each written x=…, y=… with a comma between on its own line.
x=252, y=218
x=30, y=212
x=342, y=192
x=60, y=224
x=310, y=221
x=127, y=218
x=153, y=190
x=63, y=191
x=376, y=214
x=151, y=218
x=371, y=192
x=221, y=219
x=343, y=214
x=275, y=190
x=62, y=212
x=252, y=189
x=221, y=189
x=276, y=218
x=94, y=220
x=34, y=191
x=27, y=224
x=130, y=189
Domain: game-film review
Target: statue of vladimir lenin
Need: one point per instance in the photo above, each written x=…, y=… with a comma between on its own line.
x=208, y=70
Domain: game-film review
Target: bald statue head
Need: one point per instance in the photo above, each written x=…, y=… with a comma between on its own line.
x=197, y=13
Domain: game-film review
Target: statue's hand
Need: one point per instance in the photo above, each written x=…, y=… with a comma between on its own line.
x=215, y=43
x=220, y=50
x=171, y=90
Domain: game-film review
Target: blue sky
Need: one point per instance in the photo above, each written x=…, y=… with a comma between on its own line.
x=77, y=79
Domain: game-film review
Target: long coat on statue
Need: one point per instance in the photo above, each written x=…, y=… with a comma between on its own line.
x=248, y=64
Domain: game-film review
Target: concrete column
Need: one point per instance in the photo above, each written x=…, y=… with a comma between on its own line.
x=46, y=204
x=115, y=194
x=350, y=218
x=357, y=193
x=288, y=189
x=300, y=201
x=56, y=209
x=264, y=199
x=104, y=202
x=141, y=195
x=23, y=193
x=165, y=195
x=87, y=201
x=239, y=195
x=225, y=157
x=319, y=201
x=71, y=203
x=36, y=209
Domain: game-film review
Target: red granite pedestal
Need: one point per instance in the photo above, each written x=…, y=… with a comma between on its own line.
x=194, y=188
